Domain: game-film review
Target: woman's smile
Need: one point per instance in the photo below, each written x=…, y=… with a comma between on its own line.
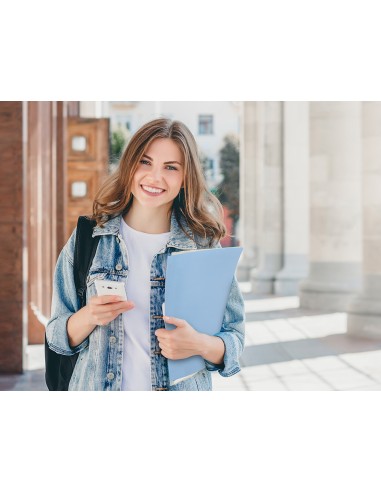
x=152, y=191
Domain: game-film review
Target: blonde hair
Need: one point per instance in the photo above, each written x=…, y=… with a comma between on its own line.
x=202, y=211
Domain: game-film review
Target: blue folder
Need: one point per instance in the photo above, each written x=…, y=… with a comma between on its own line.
x=197, y=288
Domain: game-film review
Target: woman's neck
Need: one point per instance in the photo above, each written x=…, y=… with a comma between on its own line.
x=148, y=220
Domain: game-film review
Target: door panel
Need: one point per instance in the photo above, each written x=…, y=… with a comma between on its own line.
x=87, y=154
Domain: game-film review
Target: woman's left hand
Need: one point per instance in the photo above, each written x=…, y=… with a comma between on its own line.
x=180, y=343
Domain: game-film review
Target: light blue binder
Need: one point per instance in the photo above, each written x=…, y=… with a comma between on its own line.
x=197, y=288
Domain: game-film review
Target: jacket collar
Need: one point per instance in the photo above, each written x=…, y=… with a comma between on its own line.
x=177, y=239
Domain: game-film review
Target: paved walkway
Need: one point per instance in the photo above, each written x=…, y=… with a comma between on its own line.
x=287, y=348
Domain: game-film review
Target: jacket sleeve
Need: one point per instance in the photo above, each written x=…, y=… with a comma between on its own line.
x=65, y=302
x=232, y=332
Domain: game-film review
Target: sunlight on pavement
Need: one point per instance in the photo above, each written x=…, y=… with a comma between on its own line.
x=271, y=304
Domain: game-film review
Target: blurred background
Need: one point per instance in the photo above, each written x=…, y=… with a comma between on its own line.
x=300, y=183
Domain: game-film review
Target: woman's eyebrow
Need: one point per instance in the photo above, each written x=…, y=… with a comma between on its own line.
x=168, y=162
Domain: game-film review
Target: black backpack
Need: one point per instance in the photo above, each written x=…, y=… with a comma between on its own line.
x=59, y=368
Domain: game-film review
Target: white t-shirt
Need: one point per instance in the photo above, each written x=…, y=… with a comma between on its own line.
x=142, y=247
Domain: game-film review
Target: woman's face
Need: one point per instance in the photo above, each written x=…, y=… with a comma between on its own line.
x=159, y=175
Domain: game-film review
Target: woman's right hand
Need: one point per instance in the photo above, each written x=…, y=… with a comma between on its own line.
x=103, y=309
x=99, y=310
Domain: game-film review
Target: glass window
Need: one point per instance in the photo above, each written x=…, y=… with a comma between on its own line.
x=78, y=143
x=205, y=124
x=78, y=189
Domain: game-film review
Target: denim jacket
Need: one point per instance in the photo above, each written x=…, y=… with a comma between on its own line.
x=99, y=363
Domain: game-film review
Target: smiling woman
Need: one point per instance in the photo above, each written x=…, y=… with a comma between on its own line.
x=156, y=183
x=155, y=204
x=165, y=148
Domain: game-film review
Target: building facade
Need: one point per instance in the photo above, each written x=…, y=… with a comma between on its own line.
x=310, y=182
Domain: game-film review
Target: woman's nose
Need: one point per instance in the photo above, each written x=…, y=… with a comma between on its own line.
x=155, y=174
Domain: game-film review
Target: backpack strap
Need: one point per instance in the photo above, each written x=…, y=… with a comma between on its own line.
x=84, y=252
x=59, y=368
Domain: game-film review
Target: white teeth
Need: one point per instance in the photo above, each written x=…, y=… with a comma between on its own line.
x=152, y=190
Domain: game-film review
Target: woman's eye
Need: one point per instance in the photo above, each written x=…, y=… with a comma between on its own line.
x=171, y=168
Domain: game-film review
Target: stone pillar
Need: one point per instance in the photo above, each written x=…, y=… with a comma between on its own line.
x=364, y=313
x=296, y=198
x=269, y=204
x=335, y=213
x=250, y=153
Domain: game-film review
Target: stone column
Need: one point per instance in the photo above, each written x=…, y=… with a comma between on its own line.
x=296, y=198
x=250, y=152
x=335, y=211
x=364, y=317
x=269, y=203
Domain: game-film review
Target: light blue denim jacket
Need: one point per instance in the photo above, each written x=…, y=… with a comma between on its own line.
x=99, y=364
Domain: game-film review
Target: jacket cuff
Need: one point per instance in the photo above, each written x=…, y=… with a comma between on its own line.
x=230, y=365
x=58, y=339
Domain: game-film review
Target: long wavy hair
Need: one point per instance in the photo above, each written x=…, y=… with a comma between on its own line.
x=201, y=210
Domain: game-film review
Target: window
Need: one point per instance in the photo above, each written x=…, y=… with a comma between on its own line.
x=78, y=143
x=205, y=124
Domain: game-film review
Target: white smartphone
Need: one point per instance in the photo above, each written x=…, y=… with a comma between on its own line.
x=110, y=288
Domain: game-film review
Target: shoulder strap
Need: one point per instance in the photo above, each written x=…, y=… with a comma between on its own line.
x=85, y=248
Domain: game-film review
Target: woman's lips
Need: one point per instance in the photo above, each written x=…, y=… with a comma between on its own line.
x=149, y=193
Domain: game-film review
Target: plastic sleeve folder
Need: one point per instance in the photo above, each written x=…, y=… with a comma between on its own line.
x=197, y=288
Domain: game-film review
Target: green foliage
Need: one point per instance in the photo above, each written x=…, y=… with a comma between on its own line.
x=118, y=142
x=228, y=189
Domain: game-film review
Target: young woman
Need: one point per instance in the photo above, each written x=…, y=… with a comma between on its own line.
x=156, y=203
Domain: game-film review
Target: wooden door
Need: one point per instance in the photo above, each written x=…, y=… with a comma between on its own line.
x=87, y=156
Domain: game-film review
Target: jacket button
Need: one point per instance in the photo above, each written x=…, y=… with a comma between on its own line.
x=112, y=339
x=110, y=376
x=118, y=266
